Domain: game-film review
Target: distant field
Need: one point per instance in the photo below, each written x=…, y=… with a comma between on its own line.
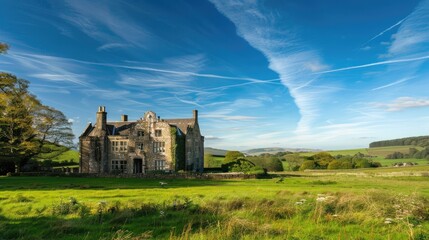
x=344, y=204
x=378, y=154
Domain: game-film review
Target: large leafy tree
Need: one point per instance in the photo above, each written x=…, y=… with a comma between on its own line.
x=26, y=125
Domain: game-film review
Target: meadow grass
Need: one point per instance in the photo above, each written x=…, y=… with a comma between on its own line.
x=365, y=204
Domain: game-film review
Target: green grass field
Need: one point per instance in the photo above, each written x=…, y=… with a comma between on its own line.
x=388, y=203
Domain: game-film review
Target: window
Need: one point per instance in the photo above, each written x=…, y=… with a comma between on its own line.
x=158, y=147
x=140, y=146
x=159, y=164
x=119, y=165
x=119, y=146
x=158, y=133
x=140, y=134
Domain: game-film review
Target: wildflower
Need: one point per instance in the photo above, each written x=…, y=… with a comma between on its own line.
x=162, y=213
x=388, y=221
x=321, y=199
x=298, y=203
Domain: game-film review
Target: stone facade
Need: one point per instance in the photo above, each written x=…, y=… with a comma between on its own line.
x=137, y=147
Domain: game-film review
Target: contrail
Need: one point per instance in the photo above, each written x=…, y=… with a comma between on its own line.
x=375, y=64
x=386, y=30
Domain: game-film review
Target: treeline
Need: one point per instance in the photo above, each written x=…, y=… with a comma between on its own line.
x=422, y=141
x=325, y=160
x=236, y=161
x=412, y=153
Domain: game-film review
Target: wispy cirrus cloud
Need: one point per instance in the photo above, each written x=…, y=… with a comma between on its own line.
x=109, y=46
x=107, y=24
x=178, y=75
x=413, y=33
x=230, y=117
x=403, y=103
x=392, y=84
x=50, y=68
x=292, y=60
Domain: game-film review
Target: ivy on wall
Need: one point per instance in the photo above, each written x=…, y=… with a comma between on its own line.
x=177, y=149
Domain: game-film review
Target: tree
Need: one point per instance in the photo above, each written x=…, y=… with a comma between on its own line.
x=268, y=162
x=16, y=123
x=3, y=48
x=323, y=159
x=307, y=164
x=231, y=156
x=294, y=161
x=25, y=124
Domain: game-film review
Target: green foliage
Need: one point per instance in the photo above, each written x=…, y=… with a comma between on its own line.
x=307, y=164
x=211, y=161
x=178, y=149
x=294, y=161
x=335, y=164
x=241, y=165
x=422, y=141
x=231, y=156
x=395, y=155
x=269, y=162
x=25, y=124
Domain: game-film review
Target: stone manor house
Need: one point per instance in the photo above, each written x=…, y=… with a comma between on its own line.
x=136, y=147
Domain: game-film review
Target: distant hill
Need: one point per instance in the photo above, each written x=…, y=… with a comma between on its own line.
x=258, y=151
x=215, y=151
x=58, y=153
x=274, y=150
x=421, y=141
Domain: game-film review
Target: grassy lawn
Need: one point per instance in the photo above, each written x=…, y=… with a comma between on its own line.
x=333, y=205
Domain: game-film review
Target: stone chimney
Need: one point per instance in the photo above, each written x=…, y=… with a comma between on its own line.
x=101, y=118
x=195, y=113
x=124, y=118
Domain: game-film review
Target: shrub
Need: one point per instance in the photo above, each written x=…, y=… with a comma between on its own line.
x=335, y=165
x=270, y=163
x=232, y=156
x=308, y=164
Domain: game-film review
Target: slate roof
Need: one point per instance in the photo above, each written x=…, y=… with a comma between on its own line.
x=123, y=128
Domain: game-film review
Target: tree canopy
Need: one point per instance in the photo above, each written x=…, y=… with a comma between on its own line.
x=25, y=123
x=231, y=156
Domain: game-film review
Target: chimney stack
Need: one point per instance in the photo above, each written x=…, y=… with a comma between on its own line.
x=101, y=121
x=195, y=114
x=124, y=118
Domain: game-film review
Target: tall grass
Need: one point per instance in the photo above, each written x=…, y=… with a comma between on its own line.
x=315, y=207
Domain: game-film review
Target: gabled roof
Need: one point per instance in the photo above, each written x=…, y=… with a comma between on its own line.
x=123, y=128
x=181, y=123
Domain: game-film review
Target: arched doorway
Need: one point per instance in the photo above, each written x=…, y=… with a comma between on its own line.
x=137, y=165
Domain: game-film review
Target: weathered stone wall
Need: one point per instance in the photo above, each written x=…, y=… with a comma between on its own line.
x=96, y=153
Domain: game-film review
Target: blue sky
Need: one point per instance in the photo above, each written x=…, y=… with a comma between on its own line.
x=316, y=74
